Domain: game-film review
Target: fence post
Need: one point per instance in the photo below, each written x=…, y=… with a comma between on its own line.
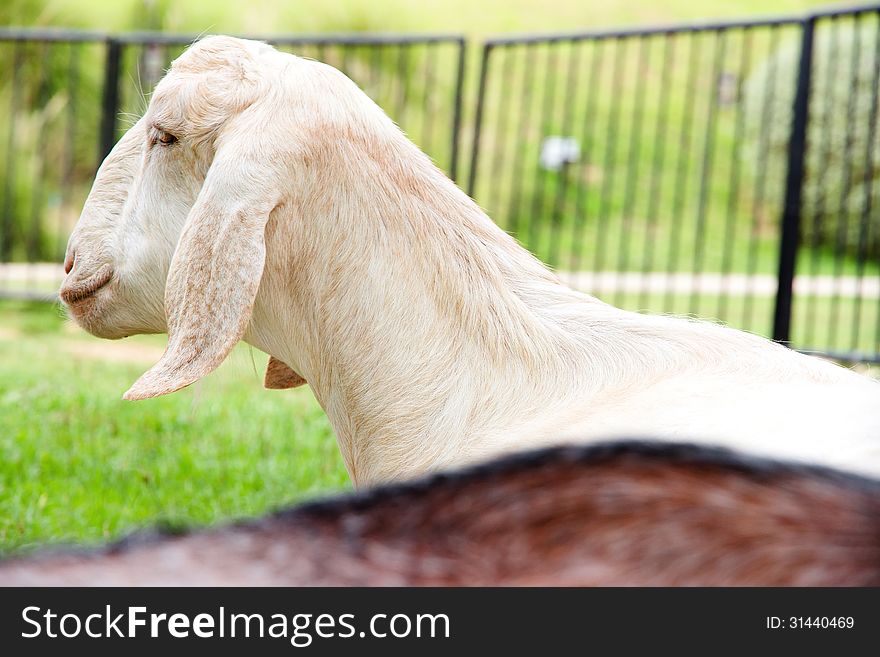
x=8, y=180
x=791, y=213
x=110, y=99
x=456, y=116
x=478, y=119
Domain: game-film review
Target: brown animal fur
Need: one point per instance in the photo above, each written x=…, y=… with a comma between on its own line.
x=280, y=377
x=615, y=514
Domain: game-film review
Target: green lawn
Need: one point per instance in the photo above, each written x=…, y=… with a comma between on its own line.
x=79, y=464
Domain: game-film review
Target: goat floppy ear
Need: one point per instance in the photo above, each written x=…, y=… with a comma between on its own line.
x=216, y=270
x=280, y=377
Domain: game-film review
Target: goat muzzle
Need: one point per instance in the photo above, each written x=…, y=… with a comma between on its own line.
x=76, y=289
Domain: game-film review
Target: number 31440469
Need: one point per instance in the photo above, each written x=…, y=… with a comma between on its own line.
x=810, y=622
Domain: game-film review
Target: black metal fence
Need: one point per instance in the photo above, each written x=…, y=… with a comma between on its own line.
x=833, y=215
x=727, y=170
x=67, y=96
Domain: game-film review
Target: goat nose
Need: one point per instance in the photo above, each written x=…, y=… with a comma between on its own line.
x=69, y=260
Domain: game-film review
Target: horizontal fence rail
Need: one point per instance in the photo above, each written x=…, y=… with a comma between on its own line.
x=723, y=170
x=726, y=170
x=416, y=79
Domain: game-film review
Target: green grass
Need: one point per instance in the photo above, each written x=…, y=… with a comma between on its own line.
x=79, y=464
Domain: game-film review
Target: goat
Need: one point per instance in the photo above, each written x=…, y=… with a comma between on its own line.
x=265, y=197
x=626, y=513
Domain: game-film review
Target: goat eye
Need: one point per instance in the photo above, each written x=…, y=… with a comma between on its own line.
x=165, y=138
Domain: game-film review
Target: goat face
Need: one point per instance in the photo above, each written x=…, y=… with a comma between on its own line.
x=178, y=210
x=114, y=287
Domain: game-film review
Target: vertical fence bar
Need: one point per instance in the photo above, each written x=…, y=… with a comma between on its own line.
x=536, y=215
x=848, y=177
x=6, y=223
x=402, y=68
x=658, y=163
x=868, y=197
x=69, y=156
x=610, y=160
x=497, y=171
x=478, y=119
x=456, y=110
x=682, y=164
x=759, y=196
x=429, y=82
x=820, y=195
x=707, y=168
x=574, y=56
x=791, y=213
x=518, y=167
x=736, y=161
x=110, y=99
x=35, y=229
x=589, y=138
x=632, y=166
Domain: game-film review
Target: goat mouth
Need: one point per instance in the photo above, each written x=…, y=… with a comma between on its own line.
x=86, y=288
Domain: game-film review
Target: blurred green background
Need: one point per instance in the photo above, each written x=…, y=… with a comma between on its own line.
x=475, y=19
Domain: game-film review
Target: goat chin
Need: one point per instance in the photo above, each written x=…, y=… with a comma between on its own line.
x=629, y=513
x=290, y=211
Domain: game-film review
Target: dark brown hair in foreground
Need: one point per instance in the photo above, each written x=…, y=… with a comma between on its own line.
x=630, y=513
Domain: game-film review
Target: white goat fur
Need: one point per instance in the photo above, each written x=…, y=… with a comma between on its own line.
x=292, y=213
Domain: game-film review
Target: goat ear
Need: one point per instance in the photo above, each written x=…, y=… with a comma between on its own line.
x=279, y=376
x=215, y=272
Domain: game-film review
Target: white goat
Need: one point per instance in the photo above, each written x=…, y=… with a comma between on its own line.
x=269, y=199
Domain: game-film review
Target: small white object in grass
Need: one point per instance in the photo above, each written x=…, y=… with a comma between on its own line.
x=556, y=151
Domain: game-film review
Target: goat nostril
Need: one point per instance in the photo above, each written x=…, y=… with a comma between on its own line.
x=68, y=262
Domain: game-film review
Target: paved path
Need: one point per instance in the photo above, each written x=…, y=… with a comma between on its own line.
x=43, y=276
x=714, y=284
